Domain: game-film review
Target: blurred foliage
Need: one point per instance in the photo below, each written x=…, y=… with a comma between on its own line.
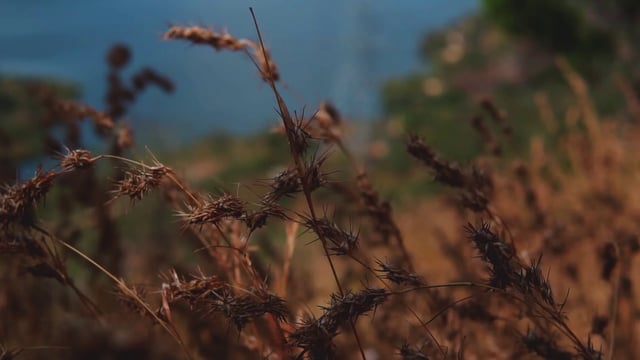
x=507, y=55
x=21, y=131
x=483, y=56
x=557, y=25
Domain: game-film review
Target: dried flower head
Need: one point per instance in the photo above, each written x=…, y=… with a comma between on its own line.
x=193, y=290
x=286, y=183
x=71, y=111
x=298, y=135
x=495, y=252
x=209, y=295
x=313, y=176
x=243, y=309
x=136, y=183
x=268, y=68
x=532, y=281
x=340, y=242
x=17, y=202
x=398, y=275
x=213, y=210
x=444, y=172
x=315, y=335
x=200, y=35
x=119, y=56
x=258, y=218
x=76, y=160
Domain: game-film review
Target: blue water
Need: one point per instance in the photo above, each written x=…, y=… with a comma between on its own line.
x=326, y=49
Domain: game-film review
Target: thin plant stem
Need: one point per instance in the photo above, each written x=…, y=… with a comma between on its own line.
x=167, y=326
x=289, y=126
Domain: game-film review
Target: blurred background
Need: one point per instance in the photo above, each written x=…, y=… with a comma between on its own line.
x=342, y=51
x=416, y=66
x=391, y=69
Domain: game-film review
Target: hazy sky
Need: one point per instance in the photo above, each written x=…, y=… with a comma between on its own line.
x=335, y=49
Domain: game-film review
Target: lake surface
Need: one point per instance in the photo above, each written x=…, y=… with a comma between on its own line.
x=331, y=49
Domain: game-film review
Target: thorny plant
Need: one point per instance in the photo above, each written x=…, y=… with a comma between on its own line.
x=509, y=309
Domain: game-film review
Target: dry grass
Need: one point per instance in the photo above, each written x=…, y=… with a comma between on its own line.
x=523, y=258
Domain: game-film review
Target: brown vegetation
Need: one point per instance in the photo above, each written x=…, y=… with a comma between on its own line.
x=530, y=258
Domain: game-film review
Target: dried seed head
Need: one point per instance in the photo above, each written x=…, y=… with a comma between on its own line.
x=268, y=68
x=298, y=136
x=313, y=337
x=444, y=171
x=313, y=177
x=17, y=202
x=137, y=183
x=495, y=252
x=102, y=122
x=119, y=55
x=243, y=309
x=286, y=183
x=200, y=35
x=350, y=306
x=70, y=111
x=213, y=210
x=194, y=290
x=225, y=41
x=398, y=275
x=532, y=281
x=316, y=335
x=258, y=219
x=210, y=295
x=340, y=242
x=76, y=160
